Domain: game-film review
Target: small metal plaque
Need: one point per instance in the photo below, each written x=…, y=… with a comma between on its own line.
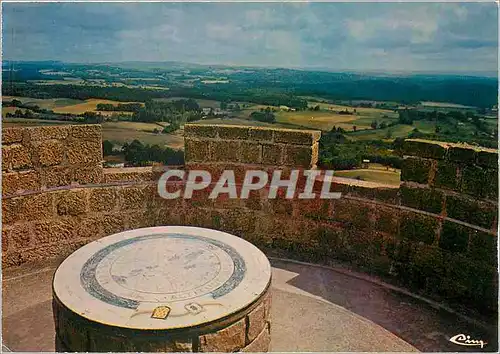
x=161, y=312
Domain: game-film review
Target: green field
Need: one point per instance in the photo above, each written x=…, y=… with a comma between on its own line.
x=399, y=130
x=201, y=102
x=390, y=176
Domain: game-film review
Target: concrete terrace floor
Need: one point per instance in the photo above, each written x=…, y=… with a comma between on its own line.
x=314, y=309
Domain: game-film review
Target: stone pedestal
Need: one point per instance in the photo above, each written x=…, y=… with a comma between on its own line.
x=164, y=289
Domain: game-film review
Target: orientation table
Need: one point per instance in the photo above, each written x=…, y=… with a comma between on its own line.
x=168, y=288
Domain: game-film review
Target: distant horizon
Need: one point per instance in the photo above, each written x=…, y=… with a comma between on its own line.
x=353, y=37
x=485, y=73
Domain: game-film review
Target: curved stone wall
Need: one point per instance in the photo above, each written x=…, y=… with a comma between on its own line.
x=436, y=234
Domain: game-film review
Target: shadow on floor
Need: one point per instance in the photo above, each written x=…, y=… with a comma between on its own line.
x=427, y=328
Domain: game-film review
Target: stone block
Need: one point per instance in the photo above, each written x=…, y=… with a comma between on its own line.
x=15, y=157
x=296, y=137
x=133, y=198
x=353, y=212
x=59, y=132
x=490, y=185
x=473, y=178
x=200, y=131
x=447, y=175
x=483, y=247
x=10, y=209
x=250, y=153
x=387, y=219
x=18, y=237
x=418, y=227
x=256, y=322
x=260, y=134
x=272, y=154
x=89, y=132
x=469, y=210
x=49, y=152
x=87, y=174
x=196, y=150
x=454, y=237
x=261, y=343
x=229, y=339
x=233, y=132
x=415, y=169
x=84, y=152
x=54, y=231
x=225, y=151
x=12, y=135
x=463, y=155
x=23, y=181
x=301, y=156
x=103, y=199
x=487, y=159
x=56, y=176
x=427, y=199
x=131, y=174
x=35, y=207
x=421, y=148
x=71, y=202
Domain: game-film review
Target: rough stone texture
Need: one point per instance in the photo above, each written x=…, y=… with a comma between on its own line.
x=18, y=182
x=420, y=228
x=196, y=150
x=447, y=175
x=250, y=152
x=427, y=199
x=49, y=152
x=272, y=154
x=72, y=202
x=454, y=237
x=469, y=210
x=260, y=134
x=233, y=132
x=128, y=174
x=91, y=132
x=15, y=157
x=48, y=132
x=56, y=176
x=261, y=343
x=299, y=137
x=103, y=199
x=416, y=170
x=84, y=152
x=300, y=156
x=229, y=339
x=87, y=174
x=11, y=135
x=200, y=130
x=257, y=321
x=462, y=155
x=487, y=159
x=225, y=151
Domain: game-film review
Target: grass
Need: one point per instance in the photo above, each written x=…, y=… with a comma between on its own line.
x=25, y=122
x=391, y=176
x=89, y=105
x=399, y=130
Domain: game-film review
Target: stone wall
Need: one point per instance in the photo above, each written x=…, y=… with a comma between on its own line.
x=432, y=235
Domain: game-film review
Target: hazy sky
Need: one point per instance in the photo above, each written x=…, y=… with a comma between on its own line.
x=356, y=36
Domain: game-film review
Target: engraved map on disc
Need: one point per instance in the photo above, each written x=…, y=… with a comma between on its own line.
x=162, y=277
x=162, y=268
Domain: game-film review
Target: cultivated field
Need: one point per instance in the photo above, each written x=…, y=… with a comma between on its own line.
x=67, y=105
x=391, y=176
x=201, y=102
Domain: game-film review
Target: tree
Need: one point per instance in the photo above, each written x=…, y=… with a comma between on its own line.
x=388, y=134
x=374, y=124
x=316, y=108
x=354, y=128
x=107, y=147
x=383, y=125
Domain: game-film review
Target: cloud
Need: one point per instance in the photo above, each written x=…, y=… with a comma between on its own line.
x=339, y=36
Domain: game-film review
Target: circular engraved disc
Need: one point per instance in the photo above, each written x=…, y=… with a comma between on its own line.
x=162, y=278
